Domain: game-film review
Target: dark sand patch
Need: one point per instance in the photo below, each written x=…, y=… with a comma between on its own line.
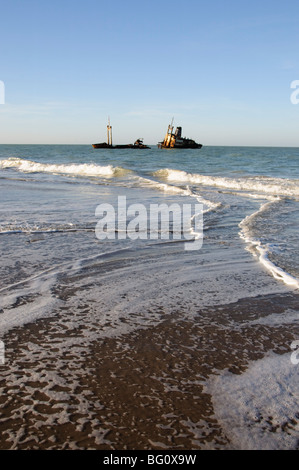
x=142, y=390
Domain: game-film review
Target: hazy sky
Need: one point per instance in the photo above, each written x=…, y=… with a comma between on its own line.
x=222, y=69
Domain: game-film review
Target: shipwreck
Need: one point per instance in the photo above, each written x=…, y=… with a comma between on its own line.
x=138, y=144
x=175, y=140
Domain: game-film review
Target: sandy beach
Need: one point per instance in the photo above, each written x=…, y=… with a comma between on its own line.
x=142, y=390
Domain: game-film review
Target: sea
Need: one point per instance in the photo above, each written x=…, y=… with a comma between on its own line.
x=121, y=333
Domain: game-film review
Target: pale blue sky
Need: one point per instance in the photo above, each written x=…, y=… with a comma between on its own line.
x=223, y=69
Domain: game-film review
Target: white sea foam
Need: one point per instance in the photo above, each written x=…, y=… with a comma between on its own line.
x=262, y=184
x=160, y=186
x=272, y=189
x=81, y=169
x=41, y=304
x=196, y=219
x=255, y=245
x=288, y=316
x=32, y=298
x=180, y=191
x=10, y=228
x=258, y=410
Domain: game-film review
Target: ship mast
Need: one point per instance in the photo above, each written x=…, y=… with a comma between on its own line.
x=109, y=133
x=168, y=135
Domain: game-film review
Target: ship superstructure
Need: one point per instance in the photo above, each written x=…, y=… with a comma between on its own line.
x=175, y=140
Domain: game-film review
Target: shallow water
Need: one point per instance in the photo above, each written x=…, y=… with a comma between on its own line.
x=92, y=290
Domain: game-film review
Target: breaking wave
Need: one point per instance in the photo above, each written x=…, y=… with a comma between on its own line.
x=272, y=189
x=261, y=184
x=72, y=169
x=180, y=191
x=263, y=250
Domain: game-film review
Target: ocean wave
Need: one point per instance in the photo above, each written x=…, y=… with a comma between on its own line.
x=262, y=250
x=180, y=191
x=148, y=183
x=27, y=228
x=262, y=184
x=72, y=169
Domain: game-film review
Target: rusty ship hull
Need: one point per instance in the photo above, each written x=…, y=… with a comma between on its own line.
x=138, y=144
x=176, y=141
x=104, y=145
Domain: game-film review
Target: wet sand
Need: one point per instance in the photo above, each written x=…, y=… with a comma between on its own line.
x=140, y=390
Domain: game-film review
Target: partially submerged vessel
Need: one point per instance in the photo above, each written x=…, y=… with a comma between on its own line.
x=175, y=140
x=138, y=144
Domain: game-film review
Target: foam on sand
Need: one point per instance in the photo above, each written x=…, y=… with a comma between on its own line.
x=258, y=410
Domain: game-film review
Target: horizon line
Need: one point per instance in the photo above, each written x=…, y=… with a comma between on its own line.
x=156, y=144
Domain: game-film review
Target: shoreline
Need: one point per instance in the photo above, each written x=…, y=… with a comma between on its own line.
x=140, y=390
x=141, y=344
